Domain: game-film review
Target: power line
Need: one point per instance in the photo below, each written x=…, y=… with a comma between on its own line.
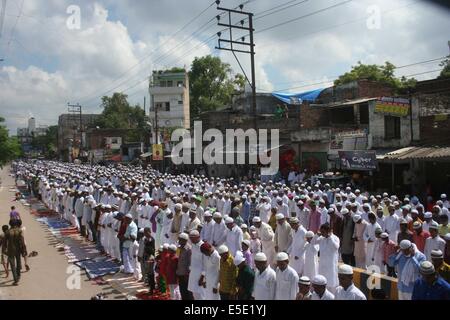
x=13, y=30
x=304, y=16
x=153, y=51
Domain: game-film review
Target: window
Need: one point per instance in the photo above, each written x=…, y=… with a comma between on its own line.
x=179, y=84
x=391, y=127
x=162, y=84
x=159, y=105
x=180, y=102
x=170, y=83
x=167, y=106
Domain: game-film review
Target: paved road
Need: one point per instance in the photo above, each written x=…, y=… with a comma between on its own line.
x=47, y=278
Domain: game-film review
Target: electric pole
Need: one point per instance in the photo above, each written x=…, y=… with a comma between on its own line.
x=233, y=44
x=76, y=110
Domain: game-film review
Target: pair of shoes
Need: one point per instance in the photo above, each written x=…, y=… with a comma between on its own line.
x=27, y=267
x=16, y=283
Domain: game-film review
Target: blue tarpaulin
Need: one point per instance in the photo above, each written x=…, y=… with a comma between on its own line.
x=291, y=98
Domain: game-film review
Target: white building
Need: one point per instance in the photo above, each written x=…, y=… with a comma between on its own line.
x=169, y=100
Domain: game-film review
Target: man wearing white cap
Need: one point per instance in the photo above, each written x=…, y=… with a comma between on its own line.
x=407, y=262
x=320, y=291
x=178, y=223
x=287, y=279
x=265, y=279
x=434, y=242
x=219, y=230
x=304, y=289
x=430, y=286
x=311, y=259
x=206, y=233
x=264, y=208
x=267, y=236
x=197, y=270
x=283, y=234
x=370, y=238
x=329, y=255
x=428, y=217
x=346, y=289
x=245, y=279
x=392, y=224
x=129, y=237
x=303, y=213
x=234, y=236
x=360, y=245
x=297, y=249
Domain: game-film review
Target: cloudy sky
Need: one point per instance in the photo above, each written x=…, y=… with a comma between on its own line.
x=52, y=58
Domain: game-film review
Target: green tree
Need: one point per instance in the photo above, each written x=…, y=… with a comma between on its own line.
x=378, y=73
x=211, y=84
x=118, y=114
x=9, y=146
x=48, y=142
x=445, y=73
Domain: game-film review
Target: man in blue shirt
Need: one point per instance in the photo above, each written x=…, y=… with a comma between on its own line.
x=407, y=262
x=430, y=286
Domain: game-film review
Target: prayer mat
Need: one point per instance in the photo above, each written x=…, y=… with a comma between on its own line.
x=99, y=267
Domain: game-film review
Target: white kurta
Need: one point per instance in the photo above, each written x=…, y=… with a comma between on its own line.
x=352, y=293
x=267, y=236
x=287, y=284
x=264, y=211
x=265, y=284
x=196, y=270
x=431, y=244
x=212, y=266
x=234, y=240
x=207, y=231
x=219, y=234
x=327, y=295
x=296, y=250
x=283, y=236
x=329, y=255
x=311, y=266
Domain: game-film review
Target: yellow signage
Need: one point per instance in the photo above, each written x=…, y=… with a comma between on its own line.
x=157, y=151
x=397, y=109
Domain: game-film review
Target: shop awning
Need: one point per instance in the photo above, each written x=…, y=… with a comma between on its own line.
x=423, y=153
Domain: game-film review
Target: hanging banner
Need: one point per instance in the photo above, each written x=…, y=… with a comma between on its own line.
x=358, y=160
x=393, y=106
x=157, y=150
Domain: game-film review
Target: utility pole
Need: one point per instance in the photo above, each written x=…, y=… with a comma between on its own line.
x=233, y=49
x=76, y=110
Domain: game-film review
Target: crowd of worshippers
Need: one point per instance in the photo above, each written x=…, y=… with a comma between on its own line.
x=207, y=238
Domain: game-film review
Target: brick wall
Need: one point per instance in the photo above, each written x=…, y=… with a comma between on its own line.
x=311, y=117
x=372, y=89
x=435, y=129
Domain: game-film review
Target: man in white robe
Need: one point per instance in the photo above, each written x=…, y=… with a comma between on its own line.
x=197, y=270
x=287, y=279
x=266, y=234
x=311, y=259
x=296, y=250
x=319, y=284
x=329, y=255
x=234, y=236
x=265, y=279
x=283, y=234
x=219, y=230
x=346, y=289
